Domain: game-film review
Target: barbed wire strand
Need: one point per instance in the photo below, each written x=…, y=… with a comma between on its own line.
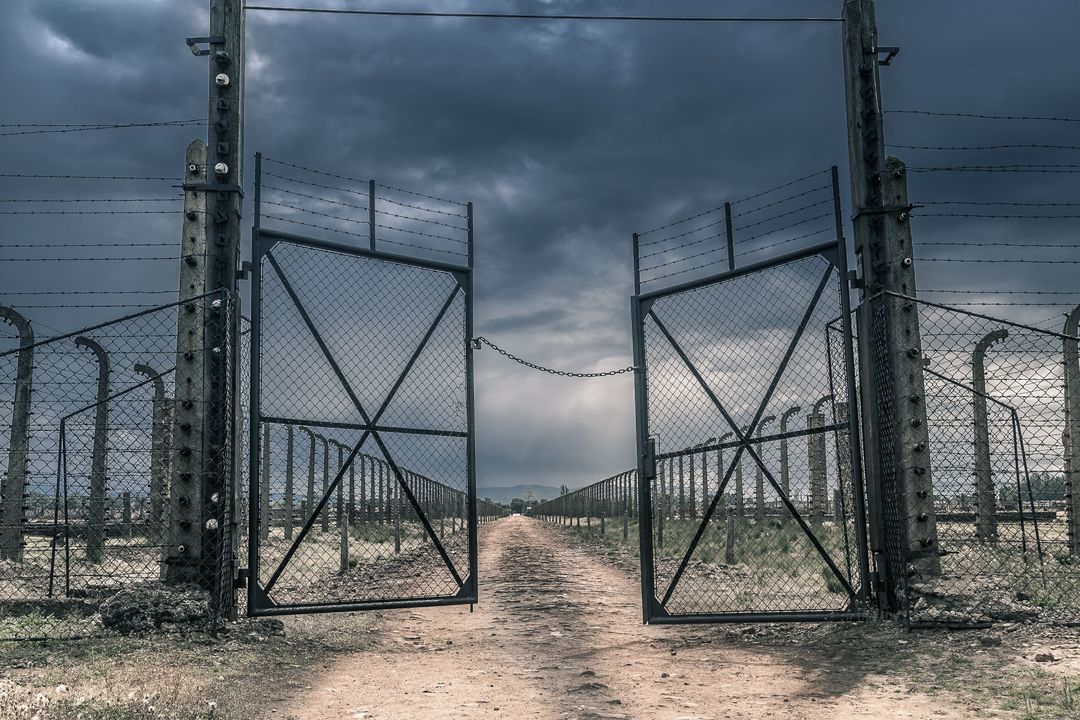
x=980, y=116
x=781, y=201
x=1016, y=168
x=27, y=176
x=88, y=127
x=1025, y=146
x=783, y=214
x=997, y=202
x=994, y=260
x=176, y=198
x=313, y=197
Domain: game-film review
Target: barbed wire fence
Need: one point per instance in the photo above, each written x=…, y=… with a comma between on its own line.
x=1002, y=393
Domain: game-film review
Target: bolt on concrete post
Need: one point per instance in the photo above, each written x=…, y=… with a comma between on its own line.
x=785, y=468
x=1072, y=426
x=155, y=527
x=95, y=531
x=985, y=496
x=13, y=489
x=287, y=514
x=759, y=481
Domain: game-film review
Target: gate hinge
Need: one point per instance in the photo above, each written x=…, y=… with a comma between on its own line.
x=241, y=580
x=244, y=270
x=854, y=281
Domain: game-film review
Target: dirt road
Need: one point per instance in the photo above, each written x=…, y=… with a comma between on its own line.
x=558, y=634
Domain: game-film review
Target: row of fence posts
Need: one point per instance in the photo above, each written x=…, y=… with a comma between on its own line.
x=14, y=493
x=614, y=497
x=375, y=499
x=370, y=494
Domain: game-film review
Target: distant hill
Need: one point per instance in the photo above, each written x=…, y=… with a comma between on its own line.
x=506, y=494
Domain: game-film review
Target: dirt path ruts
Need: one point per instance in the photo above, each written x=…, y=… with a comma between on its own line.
x=558, y=634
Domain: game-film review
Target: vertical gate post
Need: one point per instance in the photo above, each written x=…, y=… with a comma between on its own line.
x=264, y=485
x=154, y=526
x=95, y=531
x=705, y=479
x=817, y=459
x=985, y=497
x=13, y=489
x=785, y=468
x=1072, y=427
x=897, y=462
x=759, y=482
x=287, y=514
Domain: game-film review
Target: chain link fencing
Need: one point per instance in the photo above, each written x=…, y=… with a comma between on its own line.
x=1001, y=467
x=87, y=509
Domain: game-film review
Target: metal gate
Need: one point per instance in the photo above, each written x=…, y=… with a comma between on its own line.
x=362, y=475
x=751, y=485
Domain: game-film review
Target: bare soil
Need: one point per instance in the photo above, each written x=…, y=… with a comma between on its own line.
x=558, y=634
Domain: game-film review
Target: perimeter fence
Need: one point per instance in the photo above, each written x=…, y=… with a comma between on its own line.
x=86, y=513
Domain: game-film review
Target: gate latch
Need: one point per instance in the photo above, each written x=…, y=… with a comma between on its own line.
x=650, y=459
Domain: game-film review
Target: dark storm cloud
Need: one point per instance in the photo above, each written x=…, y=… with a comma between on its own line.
x=567, y=137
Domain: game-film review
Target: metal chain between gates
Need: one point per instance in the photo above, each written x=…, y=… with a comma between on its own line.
x=562, y=373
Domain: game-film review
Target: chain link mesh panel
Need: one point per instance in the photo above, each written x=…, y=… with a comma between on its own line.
x=87, y=438
x=348, y=516
x=732, y=536
x=996, y=410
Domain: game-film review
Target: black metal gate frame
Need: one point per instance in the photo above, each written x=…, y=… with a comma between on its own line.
x=259, y=602
x=653, y=610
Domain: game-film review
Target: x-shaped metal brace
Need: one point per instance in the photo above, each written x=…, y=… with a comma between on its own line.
x=744, y=440
x=371, y=422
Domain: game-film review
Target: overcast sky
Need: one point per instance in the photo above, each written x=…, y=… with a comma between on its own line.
x=567, y=137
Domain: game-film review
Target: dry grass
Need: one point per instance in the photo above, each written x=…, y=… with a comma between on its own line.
x=179, y=677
